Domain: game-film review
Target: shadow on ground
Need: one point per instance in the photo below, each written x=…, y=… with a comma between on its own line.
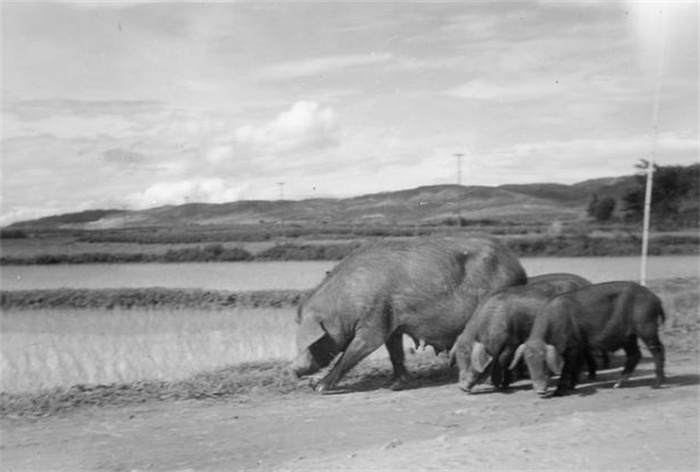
x=436, y=372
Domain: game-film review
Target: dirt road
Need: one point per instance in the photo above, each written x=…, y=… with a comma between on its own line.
x=430, y=427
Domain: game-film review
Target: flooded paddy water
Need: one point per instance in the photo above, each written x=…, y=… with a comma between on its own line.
x=299, y=275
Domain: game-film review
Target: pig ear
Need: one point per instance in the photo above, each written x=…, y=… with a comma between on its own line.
x=309, y=332
x=516, y=357
x=554, y=360
x=480, y=358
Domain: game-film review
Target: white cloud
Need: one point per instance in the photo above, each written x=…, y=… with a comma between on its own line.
x=479, y=89
x=95, y=5
x=306, y=126
x=670, y=144
x=219, y=153
x=70, y=127
x=576, y=160
x=70, y=118
x=24, y=214
x=319, y=66
x=167, y=156
x=212, y=190
x=123, y=157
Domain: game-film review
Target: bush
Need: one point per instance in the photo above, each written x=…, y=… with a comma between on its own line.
x=675, y=195
x=210, y=253
x=292, y=252
x=601, y=209
x=6, y=233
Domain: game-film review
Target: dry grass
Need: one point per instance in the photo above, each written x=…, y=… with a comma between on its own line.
x=680, y=298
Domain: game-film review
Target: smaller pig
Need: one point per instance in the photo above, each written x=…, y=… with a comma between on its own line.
x=501, y=323
x=607, y=317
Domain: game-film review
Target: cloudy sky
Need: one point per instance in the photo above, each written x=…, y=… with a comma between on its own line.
x=134, y=105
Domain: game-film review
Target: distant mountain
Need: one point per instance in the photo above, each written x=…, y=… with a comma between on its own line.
x=57, y=221
x=530, y=202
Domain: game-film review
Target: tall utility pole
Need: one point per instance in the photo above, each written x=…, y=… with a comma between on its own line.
x=459, y=168
x=281, y=185
x=652, y=157
x=647, y=217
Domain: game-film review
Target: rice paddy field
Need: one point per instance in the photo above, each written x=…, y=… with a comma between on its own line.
x=52, y=348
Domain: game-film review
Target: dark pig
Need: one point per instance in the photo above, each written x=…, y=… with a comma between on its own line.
x=560, y=281
x=604, y=317
x=501, y=323
x=425, y=288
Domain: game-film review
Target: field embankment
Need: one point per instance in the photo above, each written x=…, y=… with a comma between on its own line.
x=146, y=298
x=579, y=245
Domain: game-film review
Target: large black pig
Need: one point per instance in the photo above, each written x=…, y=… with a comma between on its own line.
x=425, y=288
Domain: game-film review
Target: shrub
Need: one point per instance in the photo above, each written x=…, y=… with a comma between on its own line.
x=292, y=252
x=7, y=233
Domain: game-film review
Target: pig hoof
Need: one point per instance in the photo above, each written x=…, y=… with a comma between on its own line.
x=320, y=388
x=398, y=385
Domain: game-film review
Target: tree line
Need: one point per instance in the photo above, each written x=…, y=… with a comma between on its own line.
x=675, y=197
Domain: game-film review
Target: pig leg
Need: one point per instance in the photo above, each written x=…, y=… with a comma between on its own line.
x=570, y=371
x=395, y=347
x=363, y=344
x=605, y=358
x=506, y=375
x=590, y=361
x=576, y=367
x=633, y=356
x=564, y=381
x=497, y=372
x=657, y=349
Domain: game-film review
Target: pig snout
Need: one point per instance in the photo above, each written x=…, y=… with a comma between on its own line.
x=465, y=387
x=304, y=364
x=467, y=381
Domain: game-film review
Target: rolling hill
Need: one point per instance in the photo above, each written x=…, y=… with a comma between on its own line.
x=530, y=202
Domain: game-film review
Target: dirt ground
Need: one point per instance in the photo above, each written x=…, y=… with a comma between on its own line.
x=430, y=427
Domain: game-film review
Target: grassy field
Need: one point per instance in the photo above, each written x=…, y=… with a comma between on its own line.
x=59, y=359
